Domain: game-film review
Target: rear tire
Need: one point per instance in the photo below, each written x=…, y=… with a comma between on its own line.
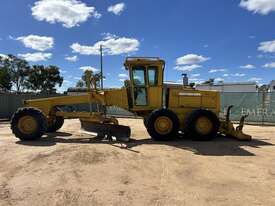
x=162, y=125
x=202, y=125
x=56, y=124
x=28, y=124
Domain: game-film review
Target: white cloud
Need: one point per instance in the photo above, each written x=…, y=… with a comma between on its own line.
x=234, y=75
x=188, y=68
x=195, y=80
x=36, y=57
x=84, y=50
x=112, y=45
x=216, y=70
x=40, y=43
x=11, y=37
x=238, y=75
x=68, y=12
x=269, y=65
x=117, y=9
x=63, y=71
x=4, y=56
x=195, y=75
x=219, y=79
x=255, y=79
x=248, y=66
x=66, y=82
x=263, y=7
x=72, y=58
x=123, y=76
x=191, y=59
x=266, y=56
x=267, y=46
x=89, y=68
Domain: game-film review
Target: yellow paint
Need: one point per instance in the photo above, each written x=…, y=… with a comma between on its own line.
x=27, y=124
x=163, y=125
x=203, y=125
x=181, y=100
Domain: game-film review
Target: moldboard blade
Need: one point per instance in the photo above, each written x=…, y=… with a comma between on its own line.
x=119, y=131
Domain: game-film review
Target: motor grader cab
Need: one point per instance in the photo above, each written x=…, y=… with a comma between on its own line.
x=166, y=110
x=145, y=87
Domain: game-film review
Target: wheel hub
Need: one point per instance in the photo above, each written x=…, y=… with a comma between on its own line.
x=163, y=125
x=27, y=124
x=204, y=125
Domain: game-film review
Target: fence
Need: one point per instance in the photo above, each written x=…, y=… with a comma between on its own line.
x=9, y=103
x=259, y=106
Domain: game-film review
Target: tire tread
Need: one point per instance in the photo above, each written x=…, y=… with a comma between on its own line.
x=37, y=114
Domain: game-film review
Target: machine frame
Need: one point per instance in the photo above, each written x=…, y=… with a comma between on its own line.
x=163, y=107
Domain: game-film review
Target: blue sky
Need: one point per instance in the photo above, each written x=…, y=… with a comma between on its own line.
x=230, y=40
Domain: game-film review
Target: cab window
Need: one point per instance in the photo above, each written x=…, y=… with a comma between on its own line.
x=140, y=91
x=140, y=96
x=139, y=76
x=152, y=76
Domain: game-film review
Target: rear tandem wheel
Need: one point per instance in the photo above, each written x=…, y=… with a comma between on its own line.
x=162, y=125
x=28, y=123
x=56, y=122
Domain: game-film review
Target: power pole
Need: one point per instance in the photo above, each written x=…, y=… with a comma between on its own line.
x=101, y=67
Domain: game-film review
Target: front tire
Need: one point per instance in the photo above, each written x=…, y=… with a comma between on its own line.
x=202, y=125
x=28, y=124
x=162, y=125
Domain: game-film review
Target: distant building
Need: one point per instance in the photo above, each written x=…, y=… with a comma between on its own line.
x=272, y=86
x=229, y=87
x=171, y=84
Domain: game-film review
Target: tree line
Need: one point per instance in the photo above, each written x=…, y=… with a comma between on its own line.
x=17, y=74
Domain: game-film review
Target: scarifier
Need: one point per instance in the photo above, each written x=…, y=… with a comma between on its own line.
x=167, y=110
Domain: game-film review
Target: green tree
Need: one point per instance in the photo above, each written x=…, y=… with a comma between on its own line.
x=17, y=69
x=5, y=78
x=192, y=84
x=44, y=79
x=210, y=81
x=82, y=83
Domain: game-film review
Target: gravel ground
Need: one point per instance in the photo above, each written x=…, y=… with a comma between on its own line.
x=72, y=168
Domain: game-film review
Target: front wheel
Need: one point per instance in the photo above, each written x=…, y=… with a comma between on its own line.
x=202, y=125
x=162, y=125
x=28, y=123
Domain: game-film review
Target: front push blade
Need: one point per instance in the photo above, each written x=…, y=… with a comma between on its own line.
x=121, y=132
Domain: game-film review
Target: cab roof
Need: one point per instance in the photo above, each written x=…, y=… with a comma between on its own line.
x=143, y=60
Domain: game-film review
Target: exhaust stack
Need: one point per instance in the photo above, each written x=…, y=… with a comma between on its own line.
x=185, y=80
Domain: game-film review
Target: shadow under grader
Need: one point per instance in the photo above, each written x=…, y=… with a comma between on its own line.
x=220, y=146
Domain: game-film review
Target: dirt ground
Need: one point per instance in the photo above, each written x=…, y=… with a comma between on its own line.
x=72, y=168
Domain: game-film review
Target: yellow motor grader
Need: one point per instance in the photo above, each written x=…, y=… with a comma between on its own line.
x=167, y=110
